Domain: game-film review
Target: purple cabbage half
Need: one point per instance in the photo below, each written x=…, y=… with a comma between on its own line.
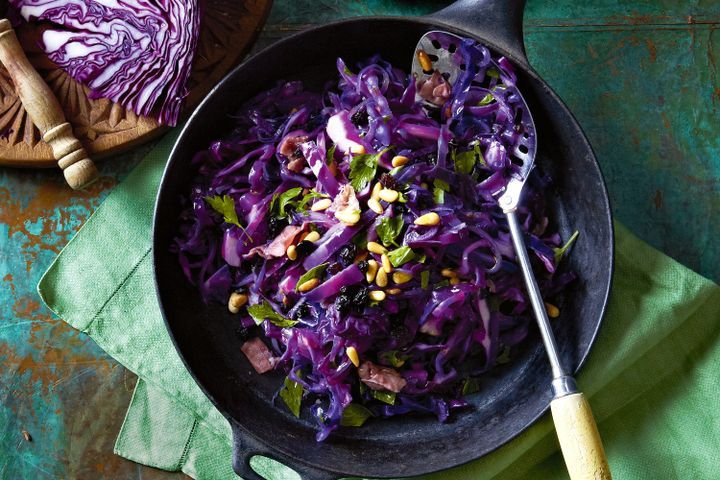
x=136, y=53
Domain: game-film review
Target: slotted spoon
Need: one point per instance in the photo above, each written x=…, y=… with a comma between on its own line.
x=576, y=429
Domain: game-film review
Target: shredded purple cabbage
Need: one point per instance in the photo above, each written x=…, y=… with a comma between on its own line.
x=454, y=302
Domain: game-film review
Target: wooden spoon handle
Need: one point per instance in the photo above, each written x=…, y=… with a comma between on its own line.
x=45, y=111
x=579, y=438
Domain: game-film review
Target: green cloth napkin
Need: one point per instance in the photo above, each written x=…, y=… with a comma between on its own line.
x=652, y=377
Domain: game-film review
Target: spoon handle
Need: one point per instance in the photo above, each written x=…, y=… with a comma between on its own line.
x=579, y=438
x=45, y=111
x=574, y=423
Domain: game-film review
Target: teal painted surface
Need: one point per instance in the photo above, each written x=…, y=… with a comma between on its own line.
x=640, y=76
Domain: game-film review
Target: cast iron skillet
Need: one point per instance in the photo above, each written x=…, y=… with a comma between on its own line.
x=514, y=395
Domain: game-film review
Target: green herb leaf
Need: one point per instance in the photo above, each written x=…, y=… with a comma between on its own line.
x=504, y=356
x=225, y=206
x=315, y=272
x=393, y=358
x=424, y=279
x=486, y=100
x=363, y=168
x=560, y=252
x=441, y=184
x=386, y=397
x=292, y=394
x=465, y=161
x=471, y=385
x=389, y=229
x=401, y=256
x=492, y=73
x=438, y=195
x=354, y=415
x=264, y=311
x=440, y=187
x=360, y=241
x=442, y=283
x=330, y=155
x=284, y=199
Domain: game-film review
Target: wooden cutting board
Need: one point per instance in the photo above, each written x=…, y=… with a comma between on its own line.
x=228, y=30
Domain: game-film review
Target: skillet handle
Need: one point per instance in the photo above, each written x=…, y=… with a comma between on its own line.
x=246, y=446
x=499, y=22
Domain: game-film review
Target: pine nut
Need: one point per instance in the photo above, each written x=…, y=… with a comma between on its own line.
x=401, y=277
x=375, y=206
x=424, y=60
x=321, y=205
x=371, y=271
x=353, y=356
x=448, y=273
x=236, y=301
x=291, y=252
x=389, y=195
x=377, y=295
x=429, y=219
x=348, y=218
x=552, y=310
x=357, y=150
x=387, y=266
x=454, y=281
x=312, y=237
x=375, y=247
x=393, y=291
x=381, y=279
x=399, y=161
x=308, y=285
x=375, y=193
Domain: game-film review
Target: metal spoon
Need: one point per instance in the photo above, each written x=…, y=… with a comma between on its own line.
x=579, y=438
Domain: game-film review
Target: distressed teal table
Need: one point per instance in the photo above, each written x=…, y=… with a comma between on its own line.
x=641, y=77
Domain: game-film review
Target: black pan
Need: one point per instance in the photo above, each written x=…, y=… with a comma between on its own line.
x=514, y=395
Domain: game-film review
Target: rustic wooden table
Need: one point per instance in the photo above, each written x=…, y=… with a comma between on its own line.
x=640, y=76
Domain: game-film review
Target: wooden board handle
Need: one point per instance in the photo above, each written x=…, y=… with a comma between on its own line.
x=45, y=111
x=579, y=438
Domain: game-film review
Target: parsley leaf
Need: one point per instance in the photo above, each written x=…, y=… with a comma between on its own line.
x=225, y=206
x=504, y=356
x=389, y=229
x=393, y=358
x=330, y=155
x=465, y=161
x=363, y=168
x=561, y=251
x=292, y=394
x=401, y=256
x=282, y=200
x=424, y=279
x=315, y=272
x=492, y=73
x=486, y=100
x=354, y=415
x=386, y=397
x=264, y=311
x=439, y=190
x=471, y=385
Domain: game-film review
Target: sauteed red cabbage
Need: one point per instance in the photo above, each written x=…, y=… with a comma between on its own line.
x=355, y=236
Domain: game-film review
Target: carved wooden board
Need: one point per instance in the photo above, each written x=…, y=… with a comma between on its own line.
x=227, y=32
